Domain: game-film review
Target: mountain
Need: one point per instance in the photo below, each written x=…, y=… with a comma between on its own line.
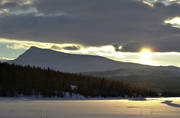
x=68, y=62
x=83, y=63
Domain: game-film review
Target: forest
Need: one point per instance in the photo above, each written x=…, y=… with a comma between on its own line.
x=34, y=81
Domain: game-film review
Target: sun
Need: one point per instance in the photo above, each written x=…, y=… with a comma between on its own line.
x=146, y=53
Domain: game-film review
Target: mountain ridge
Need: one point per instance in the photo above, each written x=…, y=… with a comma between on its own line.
x=74, y=63
x=67, y=62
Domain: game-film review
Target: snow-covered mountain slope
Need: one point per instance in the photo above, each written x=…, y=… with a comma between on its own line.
x=78, y=63
x=68, y=62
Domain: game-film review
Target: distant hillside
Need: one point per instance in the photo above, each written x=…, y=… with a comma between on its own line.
x=156, y=77
x=16, y=80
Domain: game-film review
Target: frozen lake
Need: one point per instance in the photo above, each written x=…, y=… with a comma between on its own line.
x=149, y=108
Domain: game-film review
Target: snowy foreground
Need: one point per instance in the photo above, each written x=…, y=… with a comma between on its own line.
x=123, y=108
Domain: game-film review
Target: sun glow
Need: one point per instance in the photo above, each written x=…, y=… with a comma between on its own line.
x=146, y=53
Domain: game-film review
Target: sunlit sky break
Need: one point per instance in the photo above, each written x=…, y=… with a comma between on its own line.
x=139, y=31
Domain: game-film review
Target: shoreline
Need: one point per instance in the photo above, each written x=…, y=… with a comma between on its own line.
x=25, y=98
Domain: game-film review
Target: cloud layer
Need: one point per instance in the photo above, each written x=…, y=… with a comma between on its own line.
x=130, y=24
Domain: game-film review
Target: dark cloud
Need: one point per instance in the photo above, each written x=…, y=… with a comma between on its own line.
x=72, y=48
x=56, y=47
x=128, y=23
x=66, y=47
x=9, y=5
x=117, y=47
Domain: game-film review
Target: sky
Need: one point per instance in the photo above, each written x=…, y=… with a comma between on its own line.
x=116, y=29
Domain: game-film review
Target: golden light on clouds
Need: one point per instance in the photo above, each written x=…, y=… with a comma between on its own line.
x=175, y=22
x=21, y=2
x=18, y=44
x=4, y=11
x=100, y=50
x=147, y=3
x=151, y=3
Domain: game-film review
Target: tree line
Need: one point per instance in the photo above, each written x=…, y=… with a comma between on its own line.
x=34, y=81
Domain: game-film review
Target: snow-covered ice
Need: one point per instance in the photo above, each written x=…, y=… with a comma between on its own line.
x=123, y=108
